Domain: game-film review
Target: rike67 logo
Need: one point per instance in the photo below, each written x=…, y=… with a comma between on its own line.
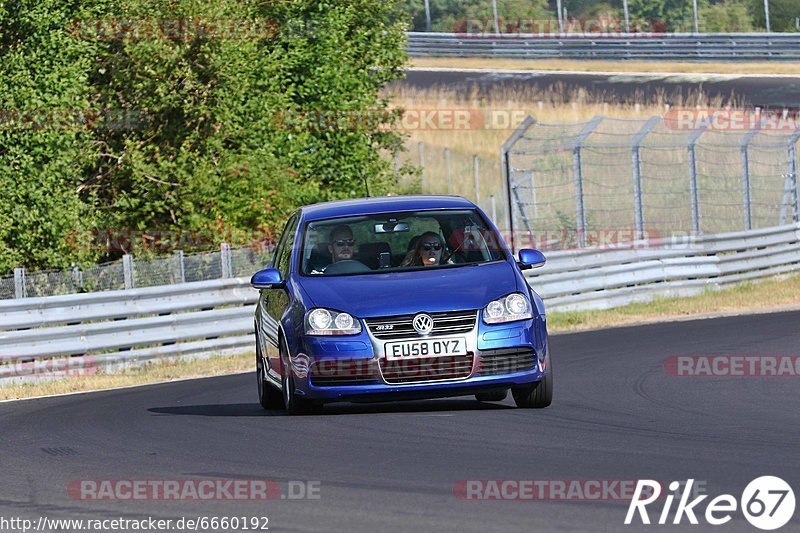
x=767, y=502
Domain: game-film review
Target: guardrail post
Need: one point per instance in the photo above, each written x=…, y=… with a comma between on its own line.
x=20, y=287
x=748, y=212
x=448, y=169
x=225, y=258
x=693, y=190
x=577, y=174
x=475, y=168
x=180, y=260
x=638, y=208
x=127, y=271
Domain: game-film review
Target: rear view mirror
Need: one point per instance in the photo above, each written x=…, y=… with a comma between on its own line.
x=391, y=227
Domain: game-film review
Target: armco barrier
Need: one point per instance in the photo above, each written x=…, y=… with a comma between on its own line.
x=669, y=47
x=113, y=328
x=118, y=328
x=593, y=279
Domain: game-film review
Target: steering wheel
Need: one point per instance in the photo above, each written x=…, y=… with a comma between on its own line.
x=347, y=266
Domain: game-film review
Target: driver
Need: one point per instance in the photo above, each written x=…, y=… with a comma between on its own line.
x=342, y=243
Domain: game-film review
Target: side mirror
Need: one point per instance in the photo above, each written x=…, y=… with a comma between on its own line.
x=269, y=278
x=530, y=259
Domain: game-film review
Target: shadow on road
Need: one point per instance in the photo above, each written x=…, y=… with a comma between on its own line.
x=253, y=409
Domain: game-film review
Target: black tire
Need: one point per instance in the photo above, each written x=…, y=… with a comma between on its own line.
x=293, y=404
x=537, y=395
x=493, y=396
x=269, y=397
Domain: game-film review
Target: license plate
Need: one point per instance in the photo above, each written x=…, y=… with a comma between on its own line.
x=425, y=348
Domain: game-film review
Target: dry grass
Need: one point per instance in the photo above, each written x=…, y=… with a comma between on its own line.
x=609, y=66
x=740, y=299
x=150, y=373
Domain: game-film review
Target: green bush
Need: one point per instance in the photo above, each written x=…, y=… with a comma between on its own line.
x=206, y=151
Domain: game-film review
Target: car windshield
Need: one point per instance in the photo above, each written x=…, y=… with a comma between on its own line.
x=390, y=242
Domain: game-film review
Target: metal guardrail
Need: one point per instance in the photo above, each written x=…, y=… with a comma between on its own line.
x=642, y=270
x=110, y=329
x=670, y=47
x=113, y=329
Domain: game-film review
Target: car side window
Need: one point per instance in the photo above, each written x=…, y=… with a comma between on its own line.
x=284, y=255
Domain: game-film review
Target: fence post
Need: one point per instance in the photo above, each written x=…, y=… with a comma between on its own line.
x=533, y=195
x=448, y=169
x=693, y=191
x=638, y=204
x=476, y=171
x=794, y=161
x=421, y=152
x=577, y=174
x=77, y=277
x=225, y=258
x=180, y=259
x=127, y=271
x=494, y=208
x=505, y=168
x=748, y=210
x=20, y=287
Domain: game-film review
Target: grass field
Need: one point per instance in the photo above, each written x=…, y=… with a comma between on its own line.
x=766, y=67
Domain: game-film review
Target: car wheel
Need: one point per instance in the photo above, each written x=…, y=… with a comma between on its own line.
x=294, y=404
x=537, y=395
x=493, y=396
x=268, y=396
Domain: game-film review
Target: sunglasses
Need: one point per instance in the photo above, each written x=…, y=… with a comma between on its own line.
x=344, y=242
x=431, y=246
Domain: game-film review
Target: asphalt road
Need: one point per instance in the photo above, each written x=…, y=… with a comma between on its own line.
x=617, y=415
x=753, y=90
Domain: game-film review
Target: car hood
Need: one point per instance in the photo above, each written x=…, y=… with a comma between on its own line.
x=401, y=293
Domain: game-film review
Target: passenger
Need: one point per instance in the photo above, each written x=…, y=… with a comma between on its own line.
x=342, y=243
x=428, y=251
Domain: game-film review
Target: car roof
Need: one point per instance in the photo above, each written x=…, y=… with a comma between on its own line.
x=382, y=204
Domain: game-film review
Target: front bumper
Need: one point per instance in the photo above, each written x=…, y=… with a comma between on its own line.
x=355, y=369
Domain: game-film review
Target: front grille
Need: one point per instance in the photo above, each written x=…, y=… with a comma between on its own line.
x=427, y=369
x=446, y=323
x=506, y=361
x=344, y=372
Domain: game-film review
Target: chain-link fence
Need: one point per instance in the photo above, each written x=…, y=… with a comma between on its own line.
x=130, y=272
x=446, y=171
x=654, y=177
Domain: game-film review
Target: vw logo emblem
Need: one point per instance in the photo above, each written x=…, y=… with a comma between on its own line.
x=423, y=324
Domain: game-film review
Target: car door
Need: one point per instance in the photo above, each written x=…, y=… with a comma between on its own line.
x=274, y=302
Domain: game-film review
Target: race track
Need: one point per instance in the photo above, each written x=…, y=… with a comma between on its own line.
x=774, y=92
x=617, y=415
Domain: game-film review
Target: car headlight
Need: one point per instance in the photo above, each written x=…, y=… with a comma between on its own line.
x=509, y=308
x=321, y=321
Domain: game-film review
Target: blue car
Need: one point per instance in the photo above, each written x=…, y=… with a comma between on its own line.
x=398, y=298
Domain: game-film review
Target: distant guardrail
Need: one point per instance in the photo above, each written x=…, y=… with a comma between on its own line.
x=670, y=47
x=112, y=329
